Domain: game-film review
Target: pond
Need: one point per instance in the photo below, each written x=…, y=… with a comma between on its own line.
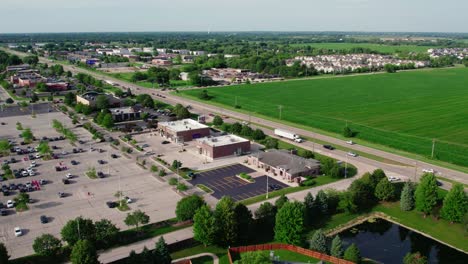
x=387, y=242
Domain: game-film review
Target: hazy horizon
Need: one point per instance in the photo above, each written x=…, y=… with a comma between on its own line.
x=87, y=16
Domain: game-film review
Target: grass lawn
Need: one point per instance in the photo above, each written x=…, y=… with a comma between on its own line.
x=220, y=252
x=404, y=111
x=390, y=49
x=286, y=255
x=202, y=260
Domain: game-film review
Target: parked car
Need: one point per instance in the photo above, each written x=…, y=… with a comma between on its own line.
x=3, y=212
x=61, y=194
x=128, y=199
x=330, y=147
x=101, y=162
x=44, y=219
x=100, y=174
x=65, y=181
x=74, y=162
x=18, y=232
x=69, y=176
x=10, y=204
x=42, y=181
x=165, y=142
x=114, y=156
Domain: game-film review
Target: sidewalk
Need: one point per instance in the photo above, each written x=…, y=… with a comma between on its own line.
x=114, y=254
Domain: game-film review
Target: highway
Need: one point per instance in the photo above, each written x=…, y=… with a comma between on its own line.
x=401, y=166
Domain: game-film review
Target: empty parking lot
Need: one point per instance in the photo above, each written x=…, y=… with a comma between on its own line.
x=223, y=182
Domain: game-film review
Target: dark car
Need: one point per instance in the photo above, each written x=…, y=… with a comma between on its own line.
x=6, y=192
x=330, y=147
x=192, y=175
x=74, y=162
x=44, y=219
x=58, y=168
x=111, y=204
x=165, y=142
x=65, y=181
x=3, y=212
x=114, y=156
x=75, y=150
x=13, y=160
x=100, y=174
x=13, y=186
x=101, y=162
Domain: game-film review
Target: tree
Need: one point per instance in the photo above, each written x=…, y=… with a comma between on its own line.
x=108, y=121
x=102, y=102
x=290, y=223
x=9, y=100
x=136, y=218
x=3, y=254
x=78, y=228
x=225, y=222
x=106, y=231
x=244, y=221
x=271, y=143
x=455, y=204
x=309, y=209
x=34, y=98
x=84, y=252
x=203, y=226
x=336, y=249
x=254, y=257
x=265, y=217
x=246, y=131
x=426, y=194
x=362, y=194
x=281, y=201
x=390, y=68
x=330, y=167
x=347, y=132
x=353, y=254
x=414, y=258
x=176, y=164
x=27, y=135
x=47, y=245
x=161, y=252
x=44, y=148
x=407, y=197
x=188, y=206
x=4, y=147
x=258, y=134
x=319, y=242
x=181, y=112
x=41, y=87
x=308, y=154
x=236, y=128
x=204, y=95
x=321, y=202
x=217, y=121
x=70, y=99
x=385, y=190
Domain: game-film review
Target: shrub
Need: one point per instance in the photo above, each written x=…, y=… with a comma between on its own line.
x=182, y=187
x=162, y=173
x=173, y=181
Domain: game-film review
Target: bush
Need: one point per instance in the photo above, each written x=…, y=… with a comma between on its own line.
x=154, y=168
x=308, y=182
x=173, y=181
x=162, y=173
x=244, y=175
x=182, y=187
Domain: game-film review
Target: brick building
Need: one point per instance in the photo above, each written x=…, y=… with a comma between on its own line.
x=284, y=164
x=222, y=146
x=183, y=130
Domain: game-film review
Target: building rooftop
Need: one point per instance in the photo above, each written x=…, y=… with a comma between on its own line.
x=183, y=125
x=284, y=159
x=221, y=140
x=124, y=110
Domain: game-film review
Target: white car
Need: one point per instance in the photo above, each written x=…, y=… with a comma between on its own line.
x=25, y=173
x=392, y=179
x=18, y=232
x=128, y=199
x=428, y=171
x=64, y=152
x=38, y=156
x=33, y=163
x=69, y=176
x=32, y=173
x=30, y=169
x=10, y=204
x=352, y=154
x=350, y=142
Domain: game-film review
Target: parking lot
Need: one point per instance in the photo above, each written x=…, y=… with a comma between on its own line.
x=83, y=196
x=223, y=181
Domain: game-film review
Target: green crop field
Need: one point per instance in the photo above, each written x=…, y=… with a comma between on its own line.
x=391, y=49
x=405, y=110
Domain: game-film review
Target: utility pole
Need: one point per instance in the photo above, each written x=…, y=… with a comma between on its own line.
x=433, y=147
x=280, y=107
x=346, y=167
x=415, y=170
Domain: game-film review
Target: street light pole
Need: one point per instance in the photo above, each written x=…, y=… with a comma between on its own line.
x=280, y=107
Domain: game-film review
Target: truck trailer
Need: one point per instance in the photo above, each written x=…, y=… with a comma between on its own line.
x=288, y=135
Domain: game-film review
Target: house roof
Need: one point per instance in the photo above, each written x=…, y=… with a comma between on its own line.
x=283, y=159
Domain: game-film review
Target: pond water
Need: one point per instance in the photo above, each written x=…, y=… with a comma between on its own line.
x=386, y=242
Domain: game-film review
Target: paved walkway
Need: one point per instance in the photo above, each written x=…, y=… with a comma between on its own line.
x=114, y=254
x=215, y=258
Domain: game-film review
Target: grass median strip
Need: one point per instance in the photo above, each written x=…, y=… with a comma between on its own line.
x=205, y=188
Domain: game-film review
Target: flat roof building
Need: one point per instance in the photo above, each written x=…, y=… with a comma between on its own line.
x=183, y=130
x=222, y=146
x=284, y=164
x=89, y=98
x=128, y=113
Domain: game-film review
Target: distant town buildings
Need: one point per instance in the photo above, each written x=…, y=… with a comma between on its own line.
x=351, y=62
x=459, y=53
x=231, y=75
x=89, y=98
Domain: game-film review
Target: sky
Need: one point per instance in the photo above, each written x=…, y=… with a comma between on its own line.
x=31, y=16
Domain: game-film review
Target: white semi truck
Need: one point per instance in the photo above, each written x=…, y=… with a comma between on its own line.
x=288, y=135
